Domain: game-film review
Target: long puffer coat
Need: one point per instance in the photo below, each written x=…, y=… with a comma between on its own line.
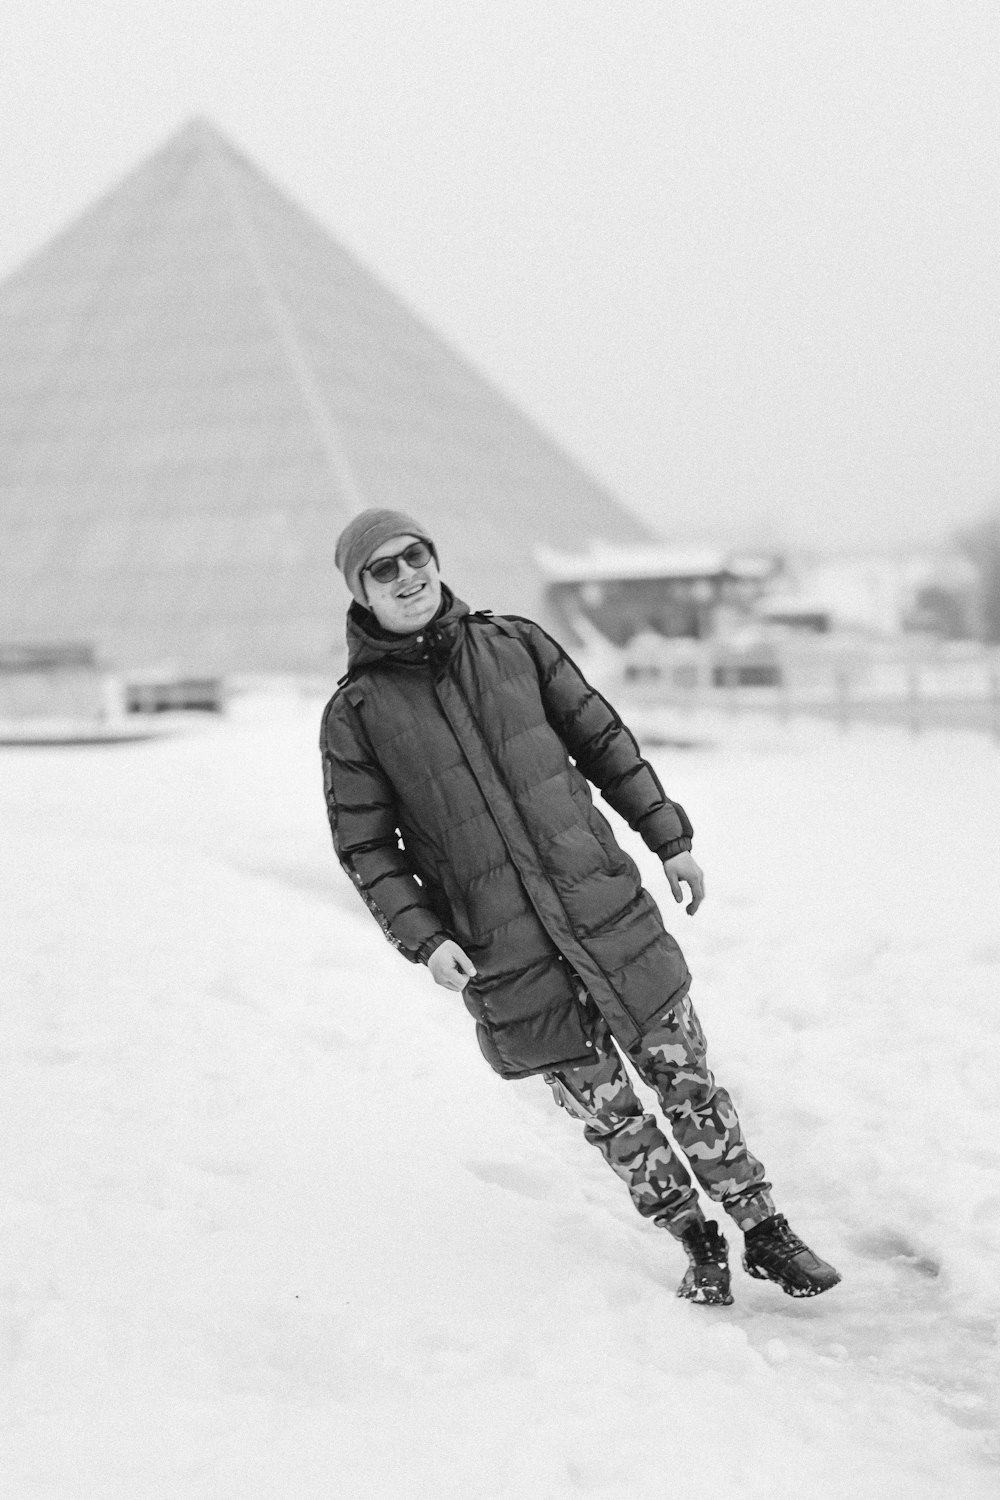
x=456, y=766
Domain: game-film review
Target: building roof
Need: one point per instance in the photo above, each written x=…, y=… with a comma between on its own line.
x=605, y=564
x=199, y=387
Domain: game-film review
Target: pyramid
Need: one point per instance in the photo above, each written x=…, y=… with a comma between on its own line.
x=199, y=387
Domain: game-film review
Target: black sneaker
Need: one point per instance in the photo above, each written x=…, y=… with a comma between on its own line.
x=707, y=1277
x=774, y=1253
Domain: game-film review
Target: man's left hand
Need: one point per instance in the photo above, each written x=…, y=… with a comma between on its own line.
x=683, y=869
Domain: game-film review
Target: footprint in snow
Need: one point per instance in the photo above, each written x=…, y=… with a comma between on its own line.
x=511, y=1176
x=889, y=1244
x=328, y=1038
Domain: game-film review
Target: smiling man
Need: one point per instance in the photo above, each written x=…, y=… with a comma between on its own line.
x=458, y=754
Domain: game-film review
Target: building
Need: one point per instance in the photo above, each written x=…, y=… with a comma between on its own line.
x=198, y=388
x=626, y=592
x=933, y=592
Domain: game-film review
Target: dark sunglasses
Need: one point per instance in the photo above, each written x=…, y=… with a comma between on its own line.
x=386, y=569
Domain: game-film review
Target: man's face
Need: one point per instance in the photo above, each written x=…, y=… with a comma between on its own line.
x=411, y=599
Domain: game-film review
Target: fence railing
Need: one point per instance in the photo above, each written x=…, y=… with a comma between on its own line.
x=916, y=682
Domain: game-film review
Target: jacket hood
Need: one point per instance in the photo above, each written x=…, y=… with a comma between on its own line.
x=368, y=643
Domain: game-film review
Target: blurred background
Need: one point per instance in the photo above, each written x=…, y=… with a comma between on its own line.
x=676, y=325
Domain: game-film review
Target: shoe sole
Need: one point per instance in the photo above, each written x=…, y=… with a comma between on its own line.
x=791, y=1291
x=706, y=1297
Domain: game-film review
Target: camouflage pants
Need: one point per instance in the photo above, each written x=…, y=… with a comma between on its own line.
x=671, y=1058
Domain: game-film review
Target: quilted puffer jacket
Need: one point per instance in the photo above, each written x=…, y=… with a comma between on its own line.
x=456, y=766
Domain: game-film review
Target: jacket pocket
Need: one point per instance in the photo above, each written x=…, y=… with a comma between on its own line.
x=489, y=1048
x=460, y=920
x=591, y=820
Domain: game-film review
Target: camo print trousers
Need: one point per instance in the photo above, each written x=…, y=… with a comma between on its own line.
x=671, y=1058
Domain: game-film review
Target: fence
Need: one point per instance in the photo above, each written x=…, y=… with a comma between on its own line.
x=912, y=681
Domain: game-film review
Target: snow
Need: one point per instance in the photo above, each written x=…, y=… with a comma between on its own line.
x=271, y=1228
x=602, y=562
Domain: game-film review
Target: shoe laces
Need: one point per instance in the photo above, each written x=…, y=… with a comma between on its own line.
x=781, y=1241
x=705, y=1244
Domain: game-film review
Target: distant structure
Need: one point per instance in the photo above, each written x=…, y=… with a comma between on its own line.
x=198, y=388
x=931, y=592
x=625, y=592
x=52, y=682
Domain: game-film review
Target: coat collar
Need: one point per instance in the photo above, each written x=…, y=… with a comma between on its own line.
x=368, y=643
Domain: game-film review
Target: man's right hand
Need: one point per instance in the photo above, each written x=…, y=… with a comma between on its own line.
x=450, y=966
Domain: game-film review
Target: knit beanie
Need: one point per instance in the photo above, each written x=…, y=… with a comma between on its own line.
x=364, y=535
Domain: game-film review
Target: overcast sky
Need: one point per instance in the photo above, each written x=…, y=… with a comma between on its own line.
x=741, y=259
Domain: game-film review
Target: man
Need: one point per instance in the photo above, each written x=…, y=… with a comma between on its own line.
x=457, y=754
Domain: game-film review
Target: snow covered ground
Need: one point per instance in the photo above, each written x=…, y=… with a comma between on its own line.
x=270, y=1227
